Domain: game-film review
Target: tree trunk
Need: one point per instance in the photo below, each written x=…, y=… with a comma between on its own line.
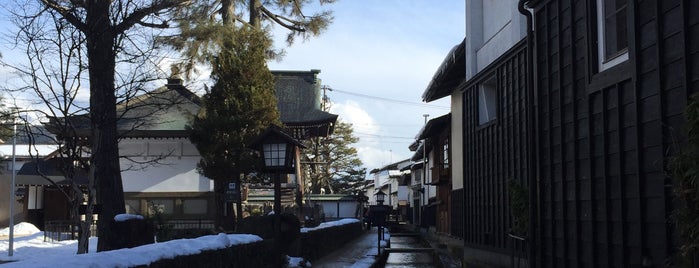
x=255, y=13
x=75, y=202
x=224, y=211
x=227, y=12
x=104, y=168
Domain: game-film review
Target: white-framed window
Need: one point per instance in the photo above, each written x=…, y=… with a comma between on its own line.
x=487, y=101
x=612, y=33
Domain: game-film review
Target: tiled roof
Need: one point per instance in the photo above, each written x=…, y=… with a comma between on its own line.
x=299, y=97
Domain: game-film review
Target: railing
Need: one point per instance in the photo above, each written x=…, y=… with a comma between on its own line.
x=191, y=224
x=518, y=246
x=60, y=230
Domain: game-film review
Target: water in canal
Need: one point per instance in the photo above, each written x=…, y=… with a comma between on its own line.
x=419, y=258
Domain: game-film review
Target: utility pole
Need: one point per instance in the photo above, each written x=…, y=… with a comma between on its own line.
x=324, y=105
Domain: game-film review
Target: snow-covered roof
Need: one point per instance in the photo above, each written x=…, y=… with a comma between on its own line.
x=23, y=150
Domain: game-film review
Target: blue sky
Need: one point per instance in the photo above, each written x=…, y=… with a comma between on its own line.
x=387, y=50
x=378, y=56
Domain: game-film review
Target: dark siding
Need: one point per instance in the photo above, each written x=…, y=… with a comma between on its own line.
x=604, y=137
x=494, y=153
x=692, y=39
x=457, y=215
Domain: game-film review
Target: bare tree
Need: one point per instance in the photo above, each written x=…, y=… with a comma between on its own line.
x=54, y=72
x=107, y=34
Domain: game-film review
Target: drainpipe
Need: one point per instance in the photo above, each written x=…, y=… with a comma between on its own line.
x=531, y=130
x=424, y=170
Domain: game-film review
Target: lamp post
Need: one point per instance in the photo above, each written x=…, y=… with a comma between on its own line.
x=279, y=151
x=379, y=215
x=10, y=250
x=380, y=197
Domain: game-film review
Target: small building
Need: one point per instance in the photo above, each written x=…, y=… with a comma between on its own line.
x=159, y=163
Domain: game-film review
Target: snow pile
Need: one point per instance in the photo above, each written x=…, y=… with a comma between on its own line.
x=22, y=228
x=329, y=224
x=32, y=251
x=126, y=217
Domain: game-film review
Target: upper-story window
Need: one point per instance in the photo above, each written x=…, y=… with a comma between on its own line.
x=487, y=101
x=612, y=33
x=445, y=153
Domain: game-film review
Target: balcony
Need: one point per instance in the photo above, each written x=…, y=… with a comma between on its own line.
x=441, y=174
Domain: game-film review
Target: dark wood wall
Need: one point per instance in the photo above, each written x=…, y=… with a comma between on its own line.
x=604, y=137
x=494, y=152
x=457, y=213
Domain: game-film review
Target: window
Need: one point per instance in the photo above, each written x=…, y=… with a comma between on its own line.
x=445, y=153
x=164, y=206
x=612, y=33
x=194, y=206
x=274, y=154
x=487, y=101
x=133, y=206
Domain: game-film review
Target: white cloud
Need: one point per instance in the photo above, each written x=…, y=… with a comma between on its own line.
x=352, y=112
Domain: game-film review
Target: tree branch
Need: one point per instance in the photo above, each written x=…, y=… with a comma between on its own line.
x=67, y=14
x=141, y=13
x=162, y=25
x=278, y=19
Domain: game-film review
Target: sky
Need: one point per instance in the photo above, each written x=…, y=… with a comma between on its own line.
x=378, y=57
x=30, y=249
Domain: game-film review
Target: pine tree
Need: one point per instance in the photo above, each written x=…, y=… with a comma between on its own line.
x=238, y=107
x=333, y=162
x=202, y=20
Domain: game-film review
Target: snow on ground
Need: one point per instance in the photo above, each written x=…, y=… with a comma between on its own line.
x=30, y=250
x=22, y=228
x=329, y=224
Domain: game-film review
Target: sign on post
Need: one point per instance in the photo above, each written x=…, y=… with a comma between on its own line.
x=233, y=192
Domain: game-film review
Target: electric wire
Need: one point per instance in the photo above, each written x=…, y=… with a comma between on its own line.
x=387, y=99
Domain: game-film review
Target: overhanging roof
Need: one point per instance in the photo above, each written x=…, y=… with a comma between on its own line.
x=434, y=126
x=449, y=75
x=37, y=171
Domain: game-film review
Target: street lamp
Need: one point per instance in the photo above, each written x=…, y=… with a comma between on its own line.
x=380, y=197
x=378, y=213
x=10, y=250
x=279, y=150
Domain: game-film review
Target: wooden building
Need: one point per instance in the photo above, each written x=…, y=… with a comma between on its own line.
x=159, y=163
x=612, y=80
x=581, y=102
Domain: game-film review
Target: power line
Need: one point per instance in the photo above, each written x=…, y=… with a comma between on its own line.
x=386, y=99
x=383, y=136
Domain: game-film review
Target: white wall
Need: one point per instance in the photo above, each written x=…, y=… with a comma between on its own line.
x=330, y=208
x=456, y=159
x=492, y=27
x=173, y=167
